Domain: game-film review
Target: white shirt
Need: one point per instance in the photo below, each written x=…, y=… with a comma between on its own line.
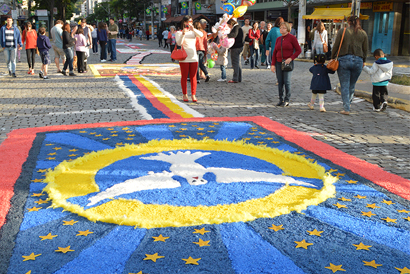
x=188, y=41
x=317, y=41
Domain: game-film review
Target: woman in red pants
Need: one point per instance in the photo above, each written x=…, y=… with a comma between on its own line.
x=187, y=38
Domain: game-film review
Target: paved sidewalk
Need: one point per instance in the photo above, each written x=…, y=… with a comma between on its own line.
x=379, y=138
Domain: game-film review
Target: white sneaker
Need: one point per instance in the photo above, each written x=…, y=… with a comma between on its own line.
x=103, y=61
x=376, y=109
x=383, y=106
x=268, y=67
x=221, y=80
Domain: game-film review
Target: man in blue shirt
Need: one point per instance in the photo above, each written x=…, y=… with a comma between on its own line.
x=10, y=40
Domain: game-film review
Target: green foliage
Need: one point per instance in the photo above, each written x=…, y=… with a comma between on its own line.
x=119, y=9
x=401, y=80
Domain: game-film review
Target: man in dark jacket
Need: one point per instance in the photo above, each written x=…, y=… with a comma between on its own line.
x=236, y=50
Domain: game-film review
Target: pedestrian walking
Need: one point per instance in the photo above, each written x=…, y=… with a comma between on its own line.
x=268, y=58
x=94, y=37
x=165, y=37
x=171, y=37
x=112, y=38
x=271, y=38
x=254, y=35
x=381, y=73
x=159, y=37
x=236, y=50
x=187, y=39
x=29, y=38
x=68, y=45
x=57, y=43
x=44, y=45
x=246, y=49
x=262, y=49
x=286, y=50
x=81, y=49
x=10, y=39
x=308, y=38
x=201, y=48
x=102, y=40
x=352, y=56
x=147, y=34
x=320, y=39
x=320, y=82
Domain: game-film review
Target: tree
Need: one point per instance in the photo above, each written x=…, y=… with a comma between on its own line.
x=290, y=4
x=64, y=7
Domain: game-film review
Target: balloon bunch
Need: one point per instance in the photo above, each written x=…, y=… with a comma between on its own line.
x=230, y=9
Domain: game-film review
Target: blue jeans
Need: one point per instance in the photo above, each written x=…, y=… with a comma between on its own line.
x=262, y=49
x=254, y=61
x=69, y=57
x=10, y=54
x=319, y=49
x=95, y=45
x=350, y=67
x=223, y=72
x=201, y=56
x=113, y=49
x=283, y=80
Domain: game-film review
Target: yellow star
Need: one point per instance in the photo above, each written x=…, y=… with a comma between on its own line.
x=362, y=246
x=128, y=131
x=37, y=180
x=194, y=126
x=200, y=128
x=52, y=153
x=182, y=136
x=200, y=133
x=201, y=231
x=129, y=139
x=262, y=133
x=335, y=268
x=315, y=232
x=56, y=148
x=110, y=128
x=261, y=142
x=202, y=243
x=179, y=131
x=332, y=170
x=191, y=260
x=72, y=155
x=72, y=222
x=403, y=270
x=84, y=233
x=216, y=123
x=31, y=257
x=340, y=174
x=73, y=150
x=86, y=153
x=49, y=144
x=99, y=135
x=37, y=194
x=211, y=131
x=351, y=182
x=387, y=219
x=184, y=124
x=373, y=206
x=407, y=218
x=372, y=263
x=51, y=158
x=64, y=249
x=252, y=133
x=47, y=237
x=276, y=227
x=29, y=272
x=388, y=202
x=275, y=142
x=303, y=244
x=360, y=197
x=246, y=139
x=345, y=199
x=368, y=214
x=136, y=273
x=340, y=206
x=160, y=238
x=153, y=257
x=39, y=202
x=256, y=137
x=114, y=135
x=33, y=209
x=211, y=126
x=183, y=129
x=42, y=170
x=92, y=133
x=171, y=125
x=83, y=131
x=269, y=138
x=131, y=135
x=105, y=139
x=403, y=211
x=119, y=144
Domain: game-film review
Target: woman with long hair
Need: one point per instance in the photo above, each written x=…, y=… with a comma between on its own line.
x=30, y=38
x=80, y=49
x=254, y=34
x=352, y=56
x=286, y=50
x=68, y=44
x=272, y=37
x=320, y=38
x=201, y=48
x=171, y=35
x=187, y=39
x=102, y=38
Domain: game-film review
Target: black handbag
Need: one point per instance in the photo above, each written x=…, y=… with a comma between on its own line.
x=285, y=67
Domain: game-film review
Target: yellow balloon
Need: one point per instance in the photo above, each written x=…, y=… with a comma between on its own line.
x=239, y=11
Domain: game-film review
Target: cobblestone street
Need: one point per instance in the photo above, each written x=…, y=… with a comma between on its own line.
x=381, y=138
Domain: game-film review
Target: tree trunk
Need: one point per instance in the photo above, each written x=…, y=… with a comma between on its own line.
x=63, y=13
x=289, y=12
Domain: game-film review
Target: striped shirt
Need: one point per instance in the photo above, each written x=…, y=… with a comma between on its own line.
x=9, y=37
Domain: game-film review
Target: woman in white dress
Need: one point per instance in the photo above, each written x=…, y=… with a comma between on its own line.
x=320, y=38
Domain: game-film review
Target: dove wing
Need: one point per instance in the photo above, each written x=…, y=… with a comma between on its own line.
x=230, y=175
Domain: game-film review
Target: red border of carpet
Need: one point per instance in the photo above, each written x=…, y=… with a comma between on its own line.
x=15, y=149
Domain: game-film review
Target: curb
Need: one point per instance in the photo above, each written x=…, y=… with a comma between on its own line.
x=392, y=101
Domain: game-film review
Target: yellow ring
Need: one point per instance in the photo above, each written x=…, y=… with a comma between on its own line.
x=76, y=178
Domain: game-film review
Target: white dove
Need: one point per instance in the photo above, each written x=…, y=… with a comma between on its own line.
x=183, y=164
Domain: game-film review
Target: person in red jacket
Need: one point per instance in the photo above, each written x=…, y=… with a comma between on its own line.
x=30, y=38
x=286, y=50
x=254, y=34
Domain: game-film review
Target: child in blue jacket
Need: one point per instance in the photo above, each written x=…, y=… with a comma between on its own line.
x=43, y=45
x=320, y=81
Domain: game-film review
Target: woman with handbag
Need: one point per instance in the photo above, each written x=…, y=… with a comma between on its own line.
x=286, y=50
x=186, y=38
x=30, y=38
x=254, y=34
x=68, y=44
x=320, y=41
x=351, y=47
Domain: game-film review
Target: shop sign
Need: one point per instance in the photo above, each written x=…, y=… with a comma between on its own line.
x=383, y=6
x=363, y=5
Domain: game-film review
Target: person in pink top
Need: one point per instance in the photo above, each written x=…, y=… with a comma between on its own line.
x=80, y=49
x=30, y=38
x=187, y=39
x=286, y=50
x=254, y=34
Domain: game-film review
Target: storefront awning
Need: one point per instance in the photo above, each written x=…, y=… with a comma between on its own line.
x=332, y=14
